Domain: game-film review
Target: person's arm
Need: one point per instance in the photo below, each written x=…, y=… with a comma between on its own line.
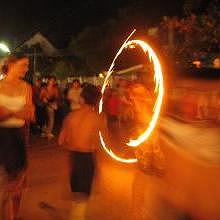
x=30, y=107
x=28, y=112
x=69, y=95
x=43, y=96
x=100, y=124
x=63, y=136
x=5, y=113
x=58, y=96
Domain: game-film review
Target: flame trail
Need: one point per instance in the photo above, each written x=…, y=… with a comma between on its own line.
x=159, y=90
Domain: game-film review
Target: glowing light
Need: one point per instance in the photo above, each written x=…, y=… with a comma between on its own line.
x=159, y=90
x=101, y=75
x=4, y=48
x=131, y=46
x=197, y=63
x=2, y=76
x=113, y=155
x=106, y=81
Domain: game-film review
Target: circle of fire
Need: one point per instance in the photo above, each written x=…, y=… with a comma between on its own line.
x=159, y=90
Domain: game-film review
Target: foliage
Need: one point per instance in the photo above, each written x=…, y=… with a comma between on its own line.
x=194, y=6
x=195, y=36
x=96, y=45
x=62, y=69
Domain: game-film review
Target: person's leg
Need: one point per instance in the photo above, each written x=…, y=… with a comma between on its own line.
x=81, y=183
x=50, y=122
x=72, y=170
x=7, y=207
x=87, y=174
x=82, y=172
x=2, y=189
x=18, y=192
x=42, y=116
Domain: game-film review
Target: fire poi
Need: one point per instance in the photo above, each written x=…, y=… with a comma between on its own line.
x=158, y=90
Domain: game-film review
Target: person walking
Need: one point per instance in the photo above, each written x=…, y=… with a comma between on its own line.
x=50, y=97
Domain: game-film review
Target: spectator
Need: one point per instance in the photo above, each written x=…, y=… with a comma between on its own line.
x=74, y=95
x=50, y=97
x=16, y=109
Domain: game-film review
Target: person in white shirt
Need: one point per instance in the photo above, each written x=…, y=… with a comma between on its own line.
x=16, y=110
x=73, y=95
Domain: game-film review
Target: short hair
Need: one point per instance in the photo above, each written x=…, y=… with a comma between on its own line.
x=76, y=81
x=84, y=84
x=90, y=94
x=12, y=58
x=52, y=77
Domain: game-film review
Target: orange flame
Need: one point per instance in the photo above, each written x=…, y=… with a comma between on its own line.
x=159, y=89
x=113, y=155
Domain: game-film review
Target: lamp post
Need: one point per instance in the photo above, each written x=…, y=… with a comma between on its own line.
x=4, y=48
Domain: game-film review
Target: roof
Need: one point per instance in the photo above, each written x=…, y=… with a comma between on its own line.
x=39, y=39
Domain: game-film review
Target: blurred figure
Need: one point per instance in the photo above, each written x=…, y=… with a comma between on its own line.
x=16, y=109
x=125, y=104
x=74, y=95
x=50, y=97
x=151, y=159
x=122, y=85
x=216, y=63
x=36, y=90
x=79, y=135
x=112, y=110
x=151, y=163
x=149, y=155
x=142, y=104
x=218, y=106
x=189, y=106
x=38, y=105
x=202, y=107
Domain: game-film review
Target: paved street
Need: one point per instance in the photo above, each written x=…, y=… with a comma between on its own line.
x=189, y=188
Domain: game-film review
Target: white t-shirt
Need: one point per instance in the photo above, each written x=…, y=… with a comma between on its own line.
x=13, y=103
x=73, y=96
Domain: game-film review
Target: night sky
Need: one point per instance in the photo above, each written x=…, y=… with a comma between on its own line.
x=59, y=20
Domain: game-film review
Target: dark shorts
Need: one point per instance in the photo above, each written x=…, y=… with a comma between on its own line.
x=12, y=151
x=82, y=171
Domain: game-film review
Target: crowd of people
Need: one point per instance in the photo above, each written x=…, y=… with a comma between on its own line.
x=127, y=106
x=125, y=103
